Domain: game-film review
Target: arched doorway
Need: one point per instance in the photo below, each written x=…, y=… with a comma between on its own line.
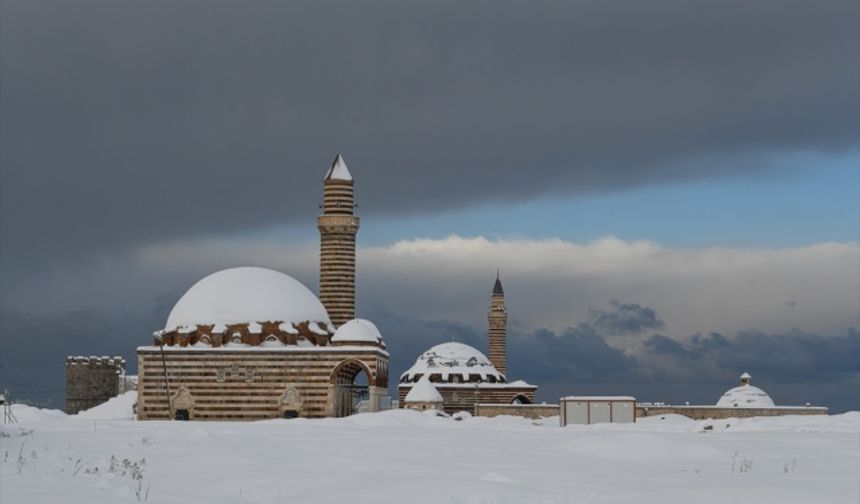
x=521, y=399
x=351, y=381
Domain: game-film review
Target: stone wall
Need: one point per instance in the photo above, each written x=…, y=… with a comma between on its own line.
x=705, y=412
x=90, y=381
x=534, y=411
x=256, y=384
x=462, y=397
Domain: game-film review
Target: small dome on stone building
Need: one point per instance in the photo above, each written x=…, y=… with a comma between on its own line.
x=745, y=396
x=357, y=331
x=423, y=392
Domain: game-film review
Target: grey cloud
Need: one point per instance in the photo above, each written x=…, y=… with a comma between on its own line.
x=625, y=318
x=127, y=123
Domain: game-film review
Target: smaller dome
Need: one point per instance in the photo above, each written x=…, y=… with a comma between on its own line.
x=745, y=396
x=357, y=331
x=448, y=360
x=423, y=392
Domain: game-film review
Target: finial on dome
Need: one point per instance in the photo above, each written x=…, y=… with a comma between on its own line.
x=338, y=170
x=746, y=379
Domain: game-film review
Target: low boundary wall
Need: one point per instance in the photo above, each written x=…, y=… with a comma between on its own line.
x=705, y=412
x=533, y=411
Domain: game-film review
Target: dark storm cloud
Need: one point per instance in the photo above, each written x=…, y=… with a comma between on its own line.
x=129, y=122
x=625, y=318
x=795, y=356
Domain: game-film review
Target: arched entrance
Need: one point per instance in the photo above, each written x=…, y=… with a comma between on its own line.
x=351, y=381
x=521, y=399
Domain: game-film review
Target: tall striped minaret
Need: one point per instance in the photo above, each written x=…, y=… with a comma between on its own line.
x=338, y=227
x=498, y=322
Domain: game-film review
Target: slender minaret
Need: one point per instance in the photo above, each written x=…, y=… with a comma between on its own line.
x=498, y=322
x=338, y=227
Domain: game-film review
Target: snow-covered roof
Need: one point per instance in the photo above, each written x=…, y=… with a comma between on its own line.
x=520, y=383
x=357, y=330
x=338, y=170
x=287, y=327
x=424, y=392
x=244, y=295
x=599, y=398
x=316, y=329
x=745, y=396
x=453, y=359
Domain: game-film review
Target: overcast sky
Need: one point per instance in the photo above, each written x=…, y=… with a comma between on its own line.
x=698, y=162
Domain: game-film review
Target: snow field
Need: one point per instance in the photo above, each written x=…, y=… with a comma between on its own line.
x=410, y=457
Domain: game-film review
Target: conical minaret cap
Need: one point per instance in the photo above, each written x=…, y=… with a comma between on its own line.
x=497, y=288
x=338, y=170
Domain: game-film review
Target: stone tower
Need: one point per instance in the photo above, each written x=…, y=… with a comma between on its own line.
x=498, y=322
x=338, y=226
x=91, y=381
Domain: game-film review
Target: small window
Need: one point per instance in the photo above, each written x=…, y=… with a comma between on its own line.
x=182, y=415
x=291, y=414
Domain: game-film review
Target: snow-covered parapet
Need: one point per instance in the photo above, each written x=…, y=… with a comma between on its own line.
x=316, y=329
x=288, y=328
x=104, y=360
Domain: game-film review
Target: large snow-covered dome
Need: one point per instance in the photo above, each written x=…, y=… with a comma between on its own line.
x=246, y=295
x=453, y=362
x=745, y=396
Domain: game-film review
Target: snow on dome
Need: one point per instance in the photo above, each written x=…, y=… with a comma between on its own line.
x=423, y=392
x=244, y=295
x=450, y=359
x=745, y=396
x=338, y=170
x=357, y=330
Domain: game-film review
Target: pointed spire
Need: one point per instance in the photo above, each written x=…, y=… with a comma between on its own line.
x=338, y=170
x=497, y=288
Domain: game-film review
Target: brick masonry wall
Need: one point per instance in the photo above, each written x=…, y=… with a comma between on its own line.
x=702, y=413
x=249, y=385
x=534, y=411
x=463, y=398
x=90, y=381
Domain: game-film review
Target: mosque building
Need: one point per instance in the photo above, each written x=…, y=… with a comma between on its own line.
x=463, y=375
x=251, y=343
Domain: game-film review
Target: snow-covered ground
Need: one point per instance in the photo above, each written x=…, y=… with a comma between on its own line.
x=101, y=456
